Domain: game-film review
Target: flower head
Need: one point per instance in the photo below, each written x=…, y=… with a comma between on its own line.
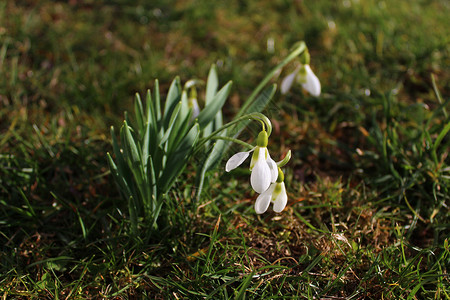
x=275, y=194
x=263, y=167
x=304, y=75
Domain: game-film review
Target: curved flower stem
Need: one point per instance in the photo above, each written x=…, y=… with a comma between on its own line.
x=226, y=138
x=253, y=116
x=215, y=135
x=300, y=48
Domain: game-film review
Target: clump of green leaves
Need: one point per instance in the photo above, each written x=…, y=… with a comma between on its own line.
x=154, y=149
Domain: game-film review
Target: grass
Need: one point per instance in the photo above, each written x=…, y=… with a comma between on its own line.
x=368, y=185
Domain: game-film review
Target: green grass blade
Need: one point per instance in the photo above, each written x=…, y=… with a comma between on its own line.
x=438, y=141
x=243, y=287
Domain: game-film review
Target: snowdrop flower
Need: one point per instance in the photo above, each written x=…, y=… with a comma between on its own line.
x=275, y=194
x=305, y=76
x=263, y=167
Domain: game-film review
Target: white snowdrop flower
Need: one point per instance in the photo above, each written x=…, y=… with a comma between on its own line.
x=263, y=167
x=275, y=194
x=306, y=77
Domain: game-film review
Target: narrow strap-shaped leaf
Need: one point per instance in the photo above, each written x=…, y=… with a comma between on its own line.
x=151, y=113
x=176, y=162
x=173, y=98
x=212, y=84
x=148, y=144
x=139, y=112
x=210, y=162
x=184, y=104
x=117, y=152
x=181, y=127
x=130, y=145
x=170, y=124
x=151, y=175
x=158, y=161
x=136, y=165
x=218, y=120
x=118, y=177
x=156, y=211
x=210, y=111
x=150, y=139
x=157, y=100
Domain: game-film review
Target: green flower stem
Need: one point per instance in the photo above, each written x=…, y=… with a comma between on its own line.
x=253, y=116
x=226, y=138
x=300, y=48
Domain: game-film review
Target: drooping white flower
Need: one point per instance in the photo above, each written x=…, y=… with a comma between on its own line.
x=275, y=194
x=263, y=167
x=306, y=77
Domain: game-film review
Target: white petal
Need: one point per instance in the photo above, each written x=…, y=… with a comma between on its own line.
x=312, y=83
x=260, y=178
x=280, y=201
x=263, y=200
x=236, y=160
x=273, y=169
x=259, y=152
x=287, y=82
